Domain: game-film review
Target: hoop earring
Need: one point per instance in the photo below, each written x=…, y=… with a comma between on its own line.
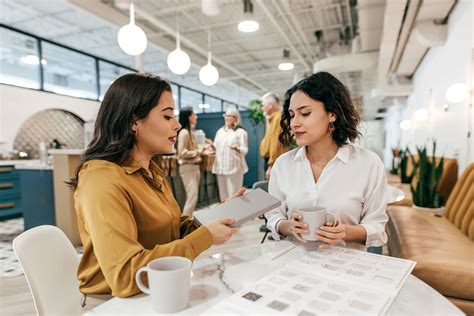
x=331, y=128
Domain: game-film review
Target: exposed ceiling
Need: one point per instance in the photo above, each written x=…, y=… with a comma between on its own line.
x=318, y=33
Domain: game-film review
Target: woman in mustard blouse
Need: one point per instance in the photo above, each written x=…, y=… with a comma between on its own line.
x=126, y=212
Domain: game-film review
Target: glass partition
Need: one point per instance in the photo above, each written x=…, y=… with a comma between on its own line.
x=19, y=61
x=214, y=104
x=192, y=99
x=108, y=73
x=69, y=72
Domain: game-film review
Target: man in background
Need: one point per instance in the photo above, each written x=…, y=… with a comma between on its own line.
x=270, y=147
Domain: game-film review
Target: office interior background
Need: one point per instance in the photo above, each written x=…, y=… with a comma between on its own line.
x=409, y=65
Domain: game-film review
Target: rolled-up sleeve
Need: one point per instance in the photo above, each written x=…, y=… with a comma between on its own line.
x=109, y=220
x=374, y=213
x=275, y=216
x=243, y=142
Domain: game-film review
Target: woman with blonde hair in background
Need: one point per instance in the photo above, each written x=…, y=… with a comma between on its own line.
x=231, y=146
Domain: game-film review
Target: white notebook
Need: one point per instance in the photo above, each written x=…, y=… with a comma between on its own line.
x=243, y=208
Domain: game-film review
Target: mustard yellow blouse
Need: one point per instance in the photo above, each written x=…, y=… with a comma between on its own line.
x=127, y=219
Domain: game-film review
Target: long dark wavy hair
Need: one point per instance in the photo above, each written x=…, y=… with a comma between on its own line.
x=325, y=88
x=130, y=98
x=184, y=115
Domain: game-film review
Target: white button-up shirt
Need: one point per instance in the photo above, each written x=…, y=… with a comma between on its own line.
x=228, y=161
x=352, y=186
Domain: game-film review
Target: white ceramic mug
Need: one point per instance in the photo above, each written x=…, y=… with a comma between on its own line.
x=169, y=281
x=315, y=217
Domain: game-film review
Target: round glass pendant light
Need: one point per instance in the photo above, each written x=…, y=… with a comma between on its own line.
x=420, y=115
x=131, y=38
x=457, y=92
x=405, y=124
x=208, y=73
x=178, y=60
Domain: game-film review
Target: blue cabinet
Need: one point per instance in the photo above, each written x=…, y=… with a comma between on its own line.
x=37, y=197
x=10, y=193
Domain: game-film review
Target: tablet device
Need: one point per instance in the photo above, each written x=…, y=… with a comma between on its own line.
x=242, y=208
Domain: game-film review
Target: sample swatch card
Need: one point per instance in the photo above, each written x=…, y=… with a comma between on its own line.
x=334, y=281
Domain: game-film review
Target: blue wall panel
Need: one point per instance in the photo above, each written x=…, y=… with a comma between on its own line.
x=211, y=122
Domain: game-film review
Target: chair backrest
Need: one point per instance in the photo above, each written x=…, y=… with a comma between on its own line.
x=459, y=207
x=50, y=264
x=261, y=185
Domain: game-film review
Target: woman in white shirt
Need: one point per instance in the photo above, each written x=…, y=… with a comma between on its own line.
x=231, y=146
x=326, y=170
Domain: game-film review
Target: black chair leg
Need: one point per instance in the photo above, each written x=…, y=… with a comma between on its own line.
x=267, y=231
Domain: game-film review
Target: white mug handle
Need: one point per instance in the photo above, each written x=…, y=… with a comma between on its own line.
x=138, y=279
x=333, y=216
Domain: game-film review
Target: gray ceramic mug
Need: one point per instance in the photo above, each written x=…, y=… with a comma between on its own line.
x=315, y=217
x=169, y=280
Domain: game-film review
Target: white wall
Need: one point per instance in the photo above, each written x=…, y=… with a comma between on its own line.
x=440, y=68
x=373, y=136
x=19, y=104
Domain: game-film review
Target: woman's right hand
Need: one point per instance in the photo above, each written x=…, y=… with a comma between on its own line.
x=294, y=226
x=220, y=231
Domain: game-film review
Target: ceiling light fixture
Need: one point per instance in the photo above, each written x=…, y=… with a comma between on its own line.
x=286, y=64
x=248, y=24
x=208, y=73
x=131, y=38
x=178, y=60
x=32, y=60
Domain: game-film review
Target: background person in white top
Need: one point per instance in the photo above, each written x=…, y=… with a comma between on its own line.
x=231, y=146
x=327, y=170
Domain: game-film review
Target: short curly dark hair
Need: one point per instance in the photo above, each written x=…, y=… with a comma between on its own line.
x=335, y=96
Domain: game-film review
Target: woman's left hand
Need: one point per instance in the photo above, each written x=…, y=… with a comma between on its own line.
x=235, y=147
x=330, y=234
x=239, y=192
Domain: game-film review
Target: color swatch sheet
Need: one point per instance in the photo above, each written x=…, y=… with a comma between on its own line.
x=334, y=281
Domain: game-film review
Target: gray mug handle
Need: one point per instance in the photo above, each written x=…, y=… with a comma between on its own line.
x=138, y=279
x=333, y=216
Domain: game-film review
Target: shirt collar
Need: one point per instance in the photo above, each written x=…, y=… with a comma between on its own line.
x=342, y=153
x=272, y=116
x=131, y=166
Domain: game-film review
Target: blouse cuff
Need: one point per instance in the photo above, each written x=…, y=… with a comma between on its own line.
x=200, y=239
x=274, y=230
x=374, y=238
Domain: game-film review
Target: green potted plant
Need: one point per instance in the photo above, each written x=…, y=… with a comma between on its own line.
x=404, y=155
x=429, y=173
x=256, y=114
x=395, y=161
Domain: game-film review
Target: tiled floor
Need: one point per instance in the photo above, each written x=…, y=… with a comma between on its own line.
x=8, y=231
x=10, y=267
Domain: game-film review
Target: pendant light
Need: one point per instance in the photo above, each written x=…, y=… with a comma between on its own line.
x=178, y=60
x=208, y=73
x=457, y=92
x=248, y=24
x=131, y=38
x=286, y=64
